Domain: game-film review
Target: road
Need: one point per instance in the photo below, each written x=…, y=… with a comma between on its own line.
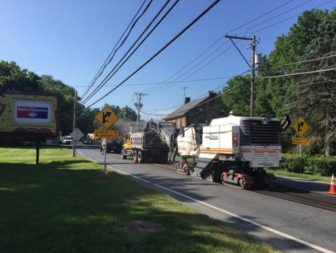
x=288, y=226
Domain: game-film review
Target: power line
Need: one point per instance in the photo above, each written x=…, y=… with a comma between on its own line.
x=262, y=15
x=160, y=88
x=285, y=19
x=297, y=74
x=278, y=15
x=122, y=61
x=311, y=60
x=129, y=27
x=161, y=50
x=215, y=97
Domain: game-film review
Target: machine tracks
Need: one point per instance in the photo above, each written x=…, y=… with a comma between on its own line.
x=318, y=200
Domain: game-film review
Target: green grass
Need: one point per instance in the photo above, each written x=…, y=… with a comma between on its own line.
x=65, y=205
x=315, y=177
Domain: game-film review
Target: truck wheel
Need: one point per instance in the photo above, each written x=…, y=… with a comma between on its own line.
x=140, y=160
x=242, y=183
x=123, y=156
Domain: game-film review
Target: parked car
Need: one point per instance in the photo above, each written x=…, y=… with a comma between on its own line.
x=67, y=140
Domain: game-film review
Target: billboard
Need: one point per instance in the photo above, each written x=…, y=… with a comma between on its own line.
x=28, y=114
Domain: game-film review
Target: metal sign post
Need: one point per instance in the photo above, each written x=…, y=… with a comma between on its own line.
x=106, y=118
x=105, y=165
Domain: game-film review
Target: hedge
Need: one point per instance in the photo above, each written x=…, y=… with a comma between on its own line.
x=322, y=165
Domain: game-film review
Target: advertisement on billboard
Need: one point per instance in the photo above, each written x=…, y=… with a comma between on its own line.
x=28, y=114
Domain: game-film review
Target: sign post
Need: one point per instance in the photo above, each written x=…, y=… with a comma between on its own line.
x=300, y=127
x=106, y=118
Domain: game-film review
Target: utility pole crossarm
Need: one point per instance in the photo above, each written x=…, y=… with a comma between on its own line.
x=238, y=37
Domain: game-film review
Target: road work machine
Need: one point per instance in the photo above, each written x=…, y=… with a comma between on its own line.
x=232, y=149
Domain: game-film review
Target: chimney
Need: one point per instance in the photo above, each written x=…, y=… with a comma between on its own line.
x=186, y=100
x=211, y=94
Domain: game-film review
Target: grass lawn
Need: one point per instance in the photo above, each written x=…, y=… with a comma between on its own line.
x=315, y=177
x=65, y=205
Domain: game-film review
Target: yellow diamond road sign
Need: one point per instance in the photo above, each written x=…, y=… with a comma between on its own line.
x=106, y=117
x=301, y=126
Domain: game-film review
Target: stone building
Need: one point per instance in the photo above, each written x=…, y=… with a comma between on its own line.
x=201, y=110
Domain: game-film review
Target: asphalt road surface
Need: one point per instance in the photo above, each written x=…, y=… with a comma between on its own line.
x=288, y=226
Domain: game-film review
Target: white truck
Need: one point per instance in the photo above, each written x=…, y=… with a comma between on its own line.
x=232, y=149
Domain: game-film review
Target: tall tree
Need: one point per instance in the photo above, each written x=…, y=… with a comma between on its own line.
x=235, y=95
x=315, y=94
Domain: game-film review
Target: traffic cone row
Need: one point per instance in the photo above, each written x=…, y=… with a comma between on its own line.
x=332, y=186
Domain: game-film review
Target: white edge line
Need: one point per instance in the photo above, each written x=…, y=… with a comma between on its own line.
x=222, y=210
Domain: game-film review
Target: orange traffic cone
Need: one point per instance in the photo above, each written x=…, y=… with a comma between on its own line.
x=332, y=186
x=135, y=159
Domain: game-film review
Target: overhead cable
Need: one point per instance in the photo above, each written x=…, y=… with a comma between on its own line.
x=161, y=50
x=297, y=74
x=119, y=43
x=125, y=58
x=183, y=69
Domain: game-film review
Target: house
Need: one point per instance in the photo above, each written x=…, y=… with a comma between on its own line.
x=201, y=110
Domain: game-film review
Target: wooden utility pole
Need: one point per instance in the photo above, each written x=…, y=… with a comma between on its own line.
x=252, y=65
x=139, y=104
x=253, y=69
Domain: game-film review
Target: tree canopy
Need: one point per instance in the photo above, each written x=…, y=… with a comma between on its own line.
x=305, y=58
x=13, y=78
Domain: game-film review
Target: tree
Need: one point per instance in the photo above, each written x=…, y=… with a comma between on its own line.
x=315, y=94
x=66, y=96
x=12, y=78
x=235, y=95
x=128, y=113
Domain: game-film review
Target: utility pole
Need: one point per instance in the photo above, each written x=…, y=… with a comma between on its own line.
x=74, y=126
x=252, y=65
x=253, y=68
x=138, y=104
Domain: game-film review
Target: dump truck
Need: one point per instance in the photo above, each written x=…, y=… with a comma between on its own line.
x=153, y=142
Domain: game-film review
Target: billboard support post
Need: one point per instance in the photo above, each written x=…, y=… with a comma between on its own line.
x=37, y=150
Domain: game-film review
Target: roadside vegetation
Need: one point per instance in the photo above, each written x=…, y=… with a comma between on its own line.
x=282, y=89
x=307, y=167
x=66, y=205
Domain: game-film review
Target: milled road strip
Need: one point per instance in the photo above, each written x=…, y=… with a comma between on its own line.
x=308, y=244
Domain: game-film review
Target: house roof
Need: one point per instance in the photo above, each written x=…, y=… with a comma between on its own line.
x=184, y=109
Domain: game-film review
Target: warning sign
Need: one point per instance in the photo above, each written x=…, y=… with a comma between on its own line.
x=107, y=117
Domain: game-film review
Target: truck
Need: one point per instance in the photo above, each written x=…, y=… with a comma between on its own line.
x=152, y=143
x=126, y=149
x=232, y=149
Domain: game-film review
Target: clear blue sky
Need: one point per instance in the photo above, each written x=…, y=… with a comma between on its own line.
x=70, y=39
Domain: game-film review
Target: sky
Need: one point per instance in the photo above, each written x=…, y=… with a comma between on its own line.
x=71, y=39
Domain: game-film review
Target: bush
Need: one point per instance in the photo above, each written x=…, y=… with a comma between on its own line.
x=293, y=163
x=322, y=165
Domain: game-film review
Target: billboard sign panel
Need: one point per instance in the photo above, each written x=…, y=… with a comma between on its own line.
x=26, y=113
